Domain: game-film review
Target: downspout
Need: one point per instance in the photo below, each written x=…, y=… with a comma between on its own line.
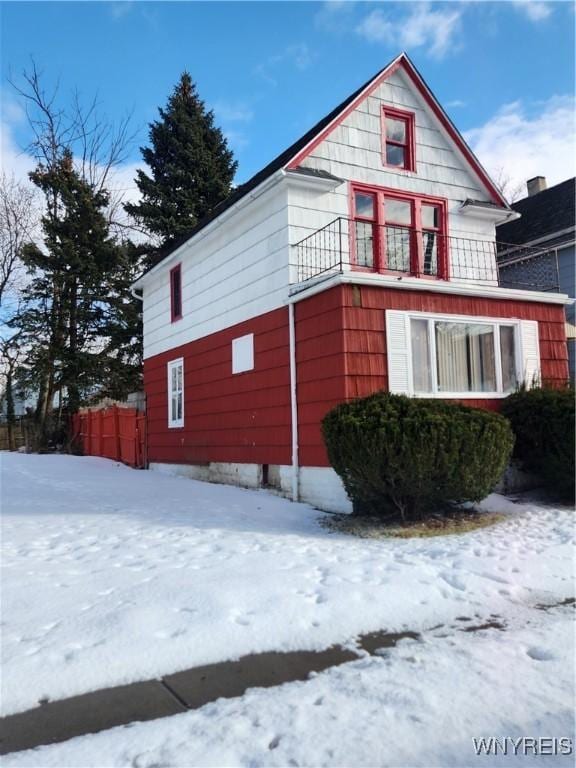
x=138, y=293
x=293, y=403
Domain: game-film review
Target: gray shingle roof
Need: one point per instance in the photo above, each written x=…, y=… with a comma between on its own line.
x=543, y=214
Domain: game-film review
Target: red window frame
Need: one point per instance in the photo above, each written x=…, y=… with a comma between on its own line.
x=176, y=293
x=409, y=145
x=379, y=222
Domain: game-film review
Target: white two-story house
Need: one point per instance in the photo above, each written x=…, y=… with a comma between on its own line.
x=362, y=258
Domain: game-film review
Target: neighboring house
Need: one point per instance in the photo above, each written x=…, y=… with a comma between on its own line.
x=547, y=236
x=362, y=258
x=21, y=404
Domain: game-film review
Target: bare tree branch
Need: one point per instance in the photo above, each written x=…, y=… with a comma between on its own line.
x=96, y=144
x=19, y=216
x=511, y=190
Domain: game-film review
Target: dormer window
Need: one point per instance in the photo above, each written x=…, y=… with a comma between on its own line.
x=398, y=150
x=176, y=293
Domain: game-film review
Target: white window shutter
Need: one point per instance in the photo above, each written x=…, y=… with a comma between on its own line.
x=398, y=351
x=530, y=353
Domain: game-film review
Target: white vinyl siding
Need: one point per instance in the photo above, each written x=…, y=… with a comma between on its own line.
x=176, y=393
x=230, y=273
x=489, y=357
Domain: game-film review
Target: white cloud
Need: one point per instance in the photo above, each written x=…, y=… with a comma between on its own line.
x=299, y=55
x=15, y=161
x=236, y=139
x=423, y=26
x=377, y=28
x=12, y=111
x=535, y=10
x=516, y=145
x=121, y=8
x=228, y=112
x=455, y=103
x=334, y=16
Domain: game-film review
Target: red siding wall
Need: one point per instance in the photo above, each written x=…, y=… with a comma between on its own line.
x=340, y=354
x=321, y=369
x=242, y=418
x=347, y=325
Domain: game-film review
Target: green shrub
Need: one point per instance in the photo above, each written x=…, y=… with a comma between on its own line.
x=543, y=422
x=400, y=457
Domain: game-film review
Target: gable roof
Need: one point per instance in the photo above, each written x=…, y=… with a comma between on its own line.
x=543, y=215
x=291, y=157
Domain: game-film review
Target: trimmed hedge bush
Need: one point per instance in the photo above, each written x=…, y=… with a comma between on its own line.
x=400, y=457
x=543, y=422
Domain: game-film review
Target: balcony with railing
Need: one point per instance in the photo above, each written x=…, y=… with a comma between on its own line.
x=346, y=245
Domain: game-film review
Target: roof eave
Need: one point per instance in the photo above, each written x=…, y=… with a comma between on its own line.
x=493, y=213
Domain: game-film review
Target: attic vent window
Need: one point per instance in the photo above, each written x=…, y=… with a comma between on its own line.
x=398, y=150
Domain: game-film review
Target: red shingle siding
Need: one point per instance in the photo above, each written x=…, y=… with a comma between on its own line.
x=350, y=341
x=243, y=417
x=320, y=365
x=369, y=321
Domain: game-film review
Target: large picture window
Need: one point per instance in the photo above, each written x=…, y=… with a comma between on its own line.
x=454, y=356
x=176, y=393
x=457, y=357
x=399, y=232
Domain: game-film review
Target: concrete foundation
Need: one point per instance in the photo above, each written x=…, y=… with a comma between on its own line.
x=319, y=486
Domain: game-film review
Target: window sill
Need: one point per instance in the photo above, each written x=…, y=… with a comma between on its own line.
x=461, y=395
x=397, y=169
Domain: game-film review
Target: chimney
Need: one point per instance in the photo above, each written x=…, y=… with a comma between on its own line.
x=535, y=185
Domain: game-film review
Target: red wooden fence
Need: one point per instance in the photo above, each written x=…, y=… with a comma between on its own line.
x=114, y=433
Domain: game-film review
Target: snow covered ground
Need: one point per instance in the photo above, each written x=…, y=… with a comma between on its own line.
x=421, y=704
x=113, y=575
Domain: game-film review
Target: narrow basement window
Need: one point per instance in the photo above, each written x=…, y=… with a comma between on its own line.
x=243, y=353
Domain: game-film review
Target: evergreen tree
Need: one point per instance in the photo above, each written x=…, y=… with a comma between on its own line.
x=76, y=294
x=191, y=167
x=121, y=331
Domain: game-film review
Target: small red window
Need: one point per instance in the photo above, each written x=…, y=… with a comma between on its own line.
x=176, y=293
x=398, y=149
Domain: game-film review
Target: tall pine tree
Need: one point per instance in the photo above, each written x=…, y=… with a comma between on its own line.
x=191, y=167
x=77, y=313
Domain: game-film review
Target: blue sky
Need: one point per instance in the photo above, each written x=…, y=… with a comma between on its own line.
x=504, y=71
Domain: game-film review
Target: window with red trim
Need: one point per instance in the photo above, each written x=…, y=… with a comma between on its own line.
x=398, y=150
x=176, y=293
x=399, y=232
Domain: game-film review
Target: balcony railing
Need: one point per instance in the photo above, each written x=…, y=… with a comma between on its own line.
x=345, y=244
